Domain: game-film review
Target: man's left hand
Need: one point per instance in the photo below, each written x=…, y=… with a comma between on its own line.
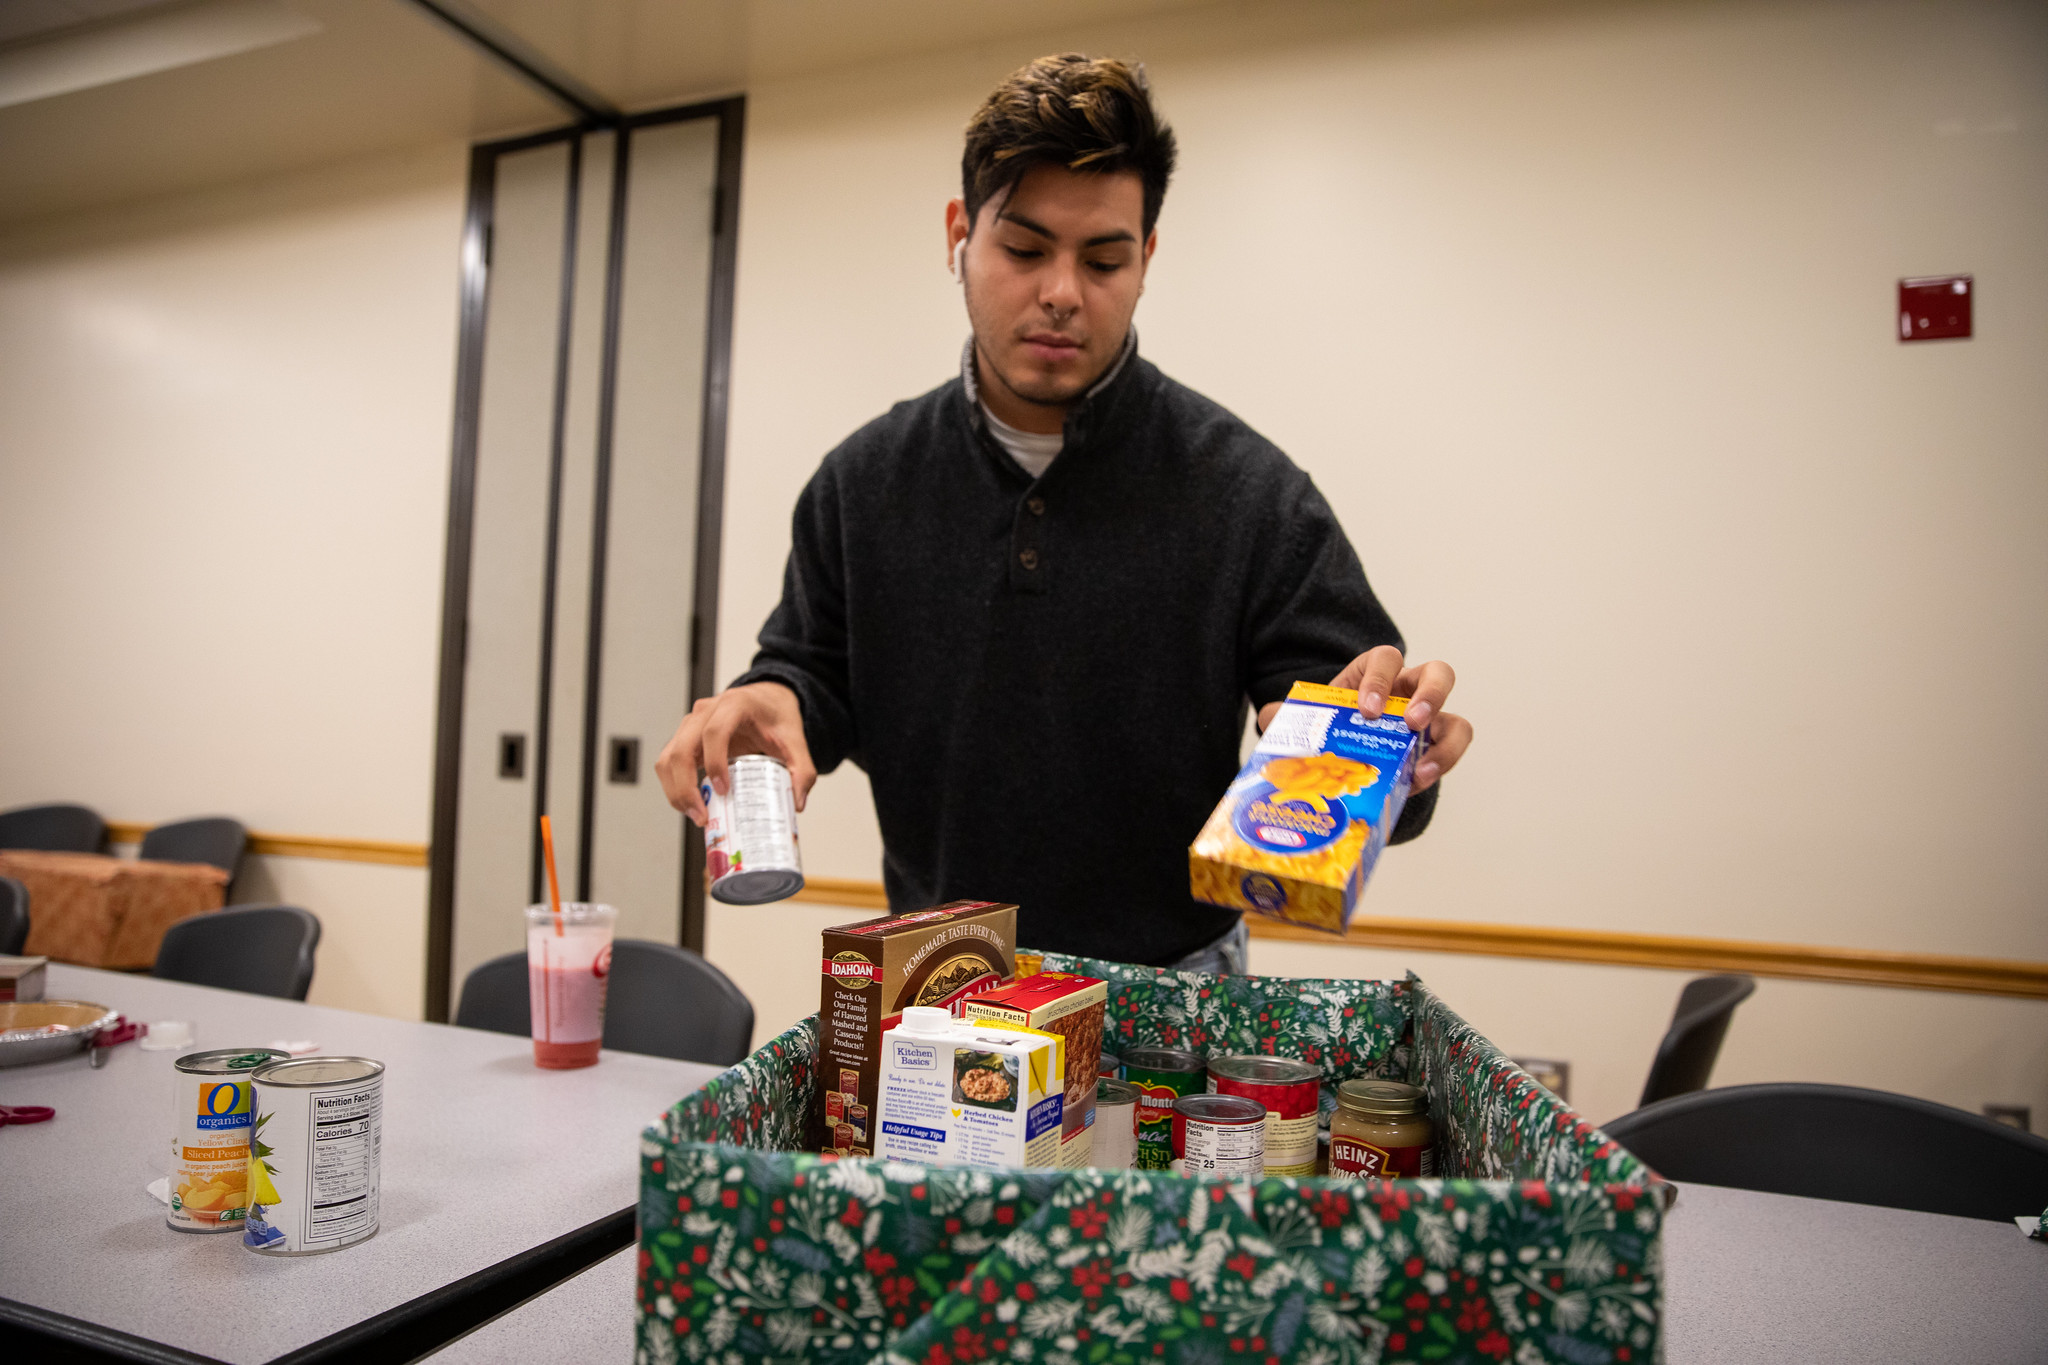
x=1381, y=673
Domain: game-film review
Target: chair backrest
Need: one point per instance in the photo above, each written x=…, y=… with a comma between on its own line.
x=661, y=1000
x=495, y=997
x=13, y=916
x=669, y=1002
x=1841, y=1142
x=262, y=949
x=212, y=839
x=1685, y=1059
x=53, y=829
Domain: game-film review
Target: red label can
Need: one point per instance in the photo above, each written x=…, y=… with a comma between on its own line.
x=1291, y=1093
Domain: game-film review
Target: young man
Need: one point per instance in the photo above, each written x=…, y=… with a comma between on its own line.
x=1033, y=603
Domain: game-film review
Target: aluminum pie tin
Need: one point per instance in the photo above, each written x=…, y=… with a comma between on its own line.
x=37, y=1030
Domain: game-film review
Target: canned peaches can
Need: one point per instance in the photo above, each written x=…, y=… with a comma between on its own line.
x=213, y=1113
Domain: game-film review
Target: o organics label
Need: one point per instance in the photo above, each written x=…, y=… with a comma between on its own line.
x=223, y=1105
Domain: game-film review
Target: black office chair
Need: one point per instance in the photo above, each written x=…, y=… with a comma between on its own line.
x=261, y=949
x=1841, y=1142
x=13, y=916
x=53, y=829
x=495, y=996
x=214, y=839
x=661, y=1000
x=1685, y=1059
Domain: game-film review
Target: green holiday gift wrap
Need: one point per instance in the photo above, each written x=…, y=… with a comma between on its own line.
x=1541, y=1245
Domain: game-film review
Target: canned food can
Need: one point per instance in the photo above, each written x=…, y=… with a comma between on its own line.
x=750, y=850
x=1116, y=1124
x=1291, y=1091
x=313, y=1167
x=1219, y=1135
x=1112, y=1066
x=1162, y=1075
x=212, y=1114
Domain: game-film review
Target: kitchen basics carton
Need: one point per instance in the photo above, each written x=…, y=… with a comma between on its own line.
x=875, y=969
x=1071, y=1006
x=1298, y=832
x=957, y=1094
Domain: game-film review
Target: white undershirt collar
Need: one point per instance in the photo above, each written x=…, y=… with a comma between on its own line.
x=1030, y=449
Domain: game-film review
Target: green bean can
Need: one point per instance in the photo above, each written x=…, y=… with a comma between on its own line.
x=1162, y=1075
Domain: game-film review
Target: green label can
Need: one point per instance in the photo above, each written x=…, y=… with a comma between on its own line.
x=1162, y=1075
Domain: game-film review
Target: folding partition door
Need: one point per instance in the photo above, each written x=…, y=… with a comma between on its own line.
x=581, y=586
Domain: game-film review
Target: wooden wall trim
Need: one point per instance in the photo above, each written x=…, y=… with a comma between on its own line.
x=384, y=851
x=1793, y=961
x=846, y=891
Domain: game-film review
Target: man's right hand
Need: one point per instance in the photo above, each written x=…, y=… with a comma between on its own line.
x=760, y=718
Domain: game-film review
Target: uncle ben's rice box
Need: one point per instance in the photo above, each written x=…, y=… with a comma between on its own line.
x=1298, y=832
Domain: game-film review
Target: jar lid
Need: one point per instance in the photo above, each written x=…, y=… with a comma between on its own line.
x=1366, y=1096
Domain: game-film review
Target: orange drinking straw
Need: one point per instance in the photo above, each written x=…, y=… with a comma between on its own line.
x=547, y=843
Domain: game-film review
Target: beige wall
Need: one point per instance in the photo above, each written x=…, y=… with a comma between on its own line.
x=224, y=427
x=1583, y=321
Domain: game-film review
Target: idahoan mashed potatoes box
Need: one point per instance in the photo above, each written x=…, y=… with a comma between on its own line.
x=1297, y=834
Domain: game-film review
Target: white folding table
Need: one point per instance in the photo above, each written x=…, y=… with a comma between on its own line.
x=499, y=1181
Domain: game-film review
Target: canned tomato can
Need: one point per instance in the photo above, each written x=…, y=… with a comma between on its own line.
x=1111, y=1067
x=750, y=850
x=1162, y=1075
x=1291, y=1091
x=212, y=1113
x=1219, y=1135
x=1116, y=1124
x=313, y=1169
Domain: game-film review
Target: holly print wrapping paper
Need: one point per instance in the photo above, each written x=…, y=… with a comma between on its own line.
x=1540, y=1246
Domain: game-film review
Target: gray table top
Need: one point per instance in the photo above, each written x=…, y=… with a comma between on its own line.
x=1748, y=1278
x=484, y=1156
x=588, y=1317
x=1767, y=1277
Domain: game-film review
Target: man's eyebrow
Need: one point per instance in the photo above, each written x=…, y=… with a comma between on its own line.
x=1121, y=235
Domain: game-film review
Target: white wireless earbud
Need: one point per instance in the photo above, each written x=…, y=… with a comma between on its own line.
x=959, y=261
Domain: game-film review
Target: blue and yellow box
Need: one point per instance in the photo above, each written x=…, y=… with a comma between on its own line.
x=1298, y=832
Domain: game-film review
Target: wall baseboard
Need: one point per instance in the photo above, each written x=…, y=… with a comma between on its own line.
x=1793, y=961
x=384, y=851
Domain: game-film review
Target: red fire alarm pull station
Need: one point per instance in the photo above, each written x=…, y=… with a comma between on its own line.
x=1935, y=307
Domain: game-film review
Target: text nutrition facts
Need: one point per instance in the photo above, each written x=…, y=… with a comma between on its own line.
x=342, y=1179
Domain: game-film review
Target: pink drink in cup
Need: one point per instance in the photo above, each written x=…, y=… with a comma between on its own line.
x=567, y=973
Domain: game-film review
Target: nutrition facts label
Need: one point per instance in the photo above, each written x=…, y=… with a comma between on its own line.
x=1216, y=1149
x=343, y=1175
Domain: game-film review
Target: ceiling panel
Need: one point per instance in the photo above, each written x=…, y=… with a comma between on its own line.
x=385, y=74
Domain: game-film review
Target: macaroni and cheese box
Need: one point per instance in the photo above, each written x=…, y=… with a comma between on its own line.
x=1072, y=1007
x=1298, y=832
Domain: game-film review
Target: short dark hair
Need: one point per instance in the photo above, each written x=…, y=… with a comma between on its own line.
x=1069, y=111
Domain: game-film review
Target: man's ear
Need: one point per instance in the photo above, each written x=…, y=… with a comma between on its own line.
x=958, y=226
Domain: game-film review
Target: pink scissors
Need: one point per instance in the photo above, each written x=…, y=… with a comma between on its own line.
x=25, y=1113
x=120, y=1031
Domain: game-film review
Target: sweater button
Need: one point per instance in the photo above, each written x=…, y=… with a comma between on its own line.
x=1036, y=506
x=1028, y=558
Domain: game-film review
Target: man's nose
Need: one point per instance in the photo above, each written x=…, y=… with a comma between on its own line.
x=1060, y=291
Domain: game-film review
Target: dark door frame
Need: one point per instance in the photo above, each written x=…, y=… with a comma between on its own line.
x=475, y=300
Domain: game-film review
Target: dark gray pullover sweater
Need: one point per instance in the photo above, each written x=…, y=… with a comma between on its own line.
x=1046, y=681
